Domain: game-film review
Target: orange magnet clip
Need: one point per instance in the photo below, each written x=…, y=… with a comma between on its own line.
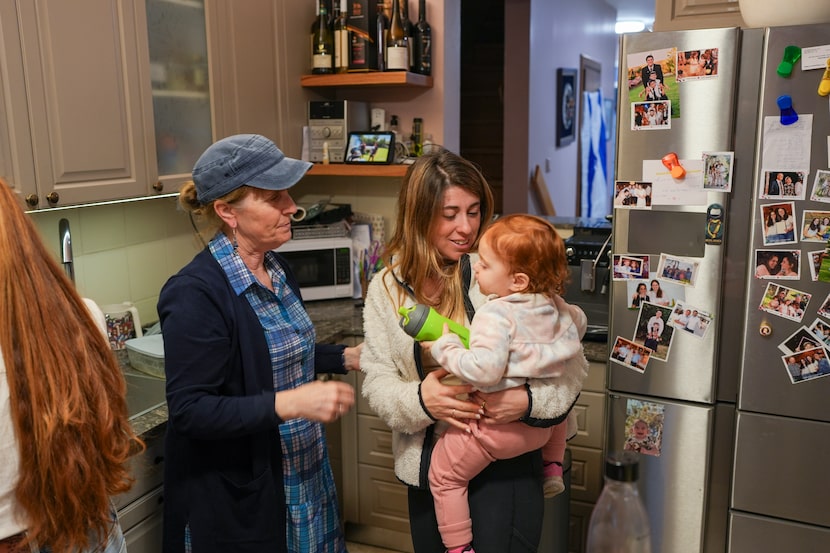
x=673, y=165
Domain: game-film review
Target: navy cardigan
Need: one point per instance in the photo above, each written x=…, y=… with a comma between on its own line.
x=223, y=462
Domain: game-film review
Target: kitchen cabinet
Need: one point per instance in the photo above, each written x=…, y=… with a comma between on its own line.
x=587, y=455
x=140, y=509
x=72, y=106
x=179, y=78
x=675, y=15
x=115, y=99
x=375, y=507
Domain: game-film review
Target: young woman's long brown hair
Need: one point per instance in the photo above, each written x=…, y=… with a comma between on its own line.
x=410, y=251
x=67, y=393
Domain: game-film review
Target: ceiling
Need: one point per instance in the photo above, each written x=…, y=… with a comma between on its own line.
x=634, y=10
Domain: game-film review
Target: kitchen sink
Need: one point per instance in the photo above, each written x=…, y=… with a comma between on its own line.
x=144, y=393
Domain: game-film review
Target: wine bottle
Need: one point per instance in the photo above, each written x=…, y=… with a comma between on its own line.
x=407, y=29
x=397, y=57
x=422, y=42
x=417, y=137
x=341, y=37
x=381, y=31
x=323, y=43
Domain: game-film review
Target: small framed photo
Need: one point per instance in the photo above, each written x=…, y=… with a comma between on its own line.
x=782, y=264
x=824, y=310
x=566, y=116
x=651, y=116
x=627, y=266
x=690, y=319
x=632, y=195
x=821, y=330
x=653, y=330
x=782, y=185
x=821, y=187
x=660, y=292
x=816, y=258
x=785, y=302
x=815, y=226
x=778, y=223
x=717, y=171
x=682, y=270
x=630, y=354
x=800, y=340
x=806, y=365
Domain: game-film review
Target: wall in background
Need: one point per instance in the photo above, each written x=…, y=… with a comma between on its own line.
x=124, y=251
x=541, y=36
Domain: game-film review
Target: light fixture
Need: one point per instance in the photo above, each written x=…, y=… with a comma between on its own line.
x=629, y=27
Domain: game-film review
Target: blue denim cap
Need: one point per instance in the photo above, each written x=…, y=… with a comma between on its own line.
x=241, y=159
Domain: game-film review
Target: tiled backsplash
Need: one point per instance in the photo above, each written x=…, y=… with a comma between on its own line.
x=124, y=251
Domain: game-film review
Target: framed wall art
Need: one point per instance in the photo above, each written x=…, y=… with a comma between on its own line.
x=566, y=106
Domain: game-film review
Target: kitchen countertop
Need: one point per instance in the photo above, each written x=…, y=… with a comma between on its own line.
x=333, y=321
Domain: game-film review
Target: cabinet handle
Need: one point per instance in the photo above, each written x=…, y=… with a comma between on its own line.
x=53, y=197
x=158, y=186
x=32, y=200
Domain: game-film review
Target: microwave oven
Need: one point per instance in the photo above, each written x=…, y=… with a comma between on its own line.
x=322, y=266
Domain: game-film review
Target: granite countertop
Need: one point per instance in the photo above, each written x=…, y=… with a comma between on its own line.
x=333, y=321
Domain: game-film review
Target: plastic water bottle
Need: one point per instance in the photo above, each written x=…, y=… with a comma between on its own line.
x=619, y=523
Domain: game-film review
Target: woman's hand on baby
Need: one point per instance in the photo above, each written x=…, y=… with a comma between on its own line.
x=502, y=407
x=441, y=400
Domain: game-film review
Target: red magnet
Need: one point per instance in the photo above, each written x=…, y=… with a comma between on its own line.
x=788, y=114
x=673, y=165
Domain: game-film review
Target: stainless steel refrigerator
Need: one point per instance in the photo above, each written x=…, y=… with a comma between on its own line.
x=733, y=450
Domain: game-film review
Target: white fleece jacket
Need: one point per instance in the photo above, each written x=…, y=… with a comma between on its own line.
x=392, y=380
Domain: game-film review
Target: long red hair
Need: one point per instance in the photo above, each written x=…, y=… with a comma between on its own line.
x=67, y=393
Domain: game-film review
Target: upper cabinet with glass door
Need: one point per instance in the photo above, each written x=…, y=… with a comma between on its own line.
x=177, y=41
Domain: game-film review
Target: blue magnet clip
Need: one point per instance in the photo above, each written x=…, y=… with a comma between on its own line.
x=788, y=114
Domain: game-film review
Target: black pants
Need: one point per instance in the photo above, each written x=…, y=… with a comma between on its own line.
x=506, y=505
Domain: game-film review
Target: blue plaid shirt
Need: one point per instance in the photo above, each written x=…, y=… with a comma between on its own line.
x=313, y=518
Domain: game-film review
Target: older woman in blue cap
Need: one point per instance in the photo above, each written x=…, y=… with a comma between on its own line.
x=246, y=468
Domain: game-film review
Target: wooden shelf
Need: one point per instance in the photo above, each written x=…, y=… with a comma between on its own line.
x=349, y=170
x=368, y=79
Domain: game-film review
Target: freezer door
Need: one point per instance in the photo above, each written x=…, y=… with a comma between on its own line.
x=754, y=534
x=765, y=384
x=686, y=487
x=781, y=469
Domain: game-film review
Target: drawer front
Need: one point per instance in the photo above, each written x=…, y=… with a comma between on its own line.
x=147, y=469
x=586, y=473
x=595, y=381
x=374, y=441
x=590, y=418
x=383, y=499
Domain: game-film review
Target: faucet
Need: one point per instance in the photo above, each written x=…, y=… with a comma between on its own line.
x=66, y=248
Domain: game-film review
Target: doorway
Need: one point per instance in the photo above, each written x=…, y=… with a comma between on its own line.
x=482, y=90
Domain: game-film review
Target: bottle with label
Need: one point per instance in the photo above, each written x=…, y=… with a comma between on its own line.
x=341, y=37
x=417, y=137
x=422, y=42
x=322, y=44
x=619, y=523
x=381, y=34
x=397, y=54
